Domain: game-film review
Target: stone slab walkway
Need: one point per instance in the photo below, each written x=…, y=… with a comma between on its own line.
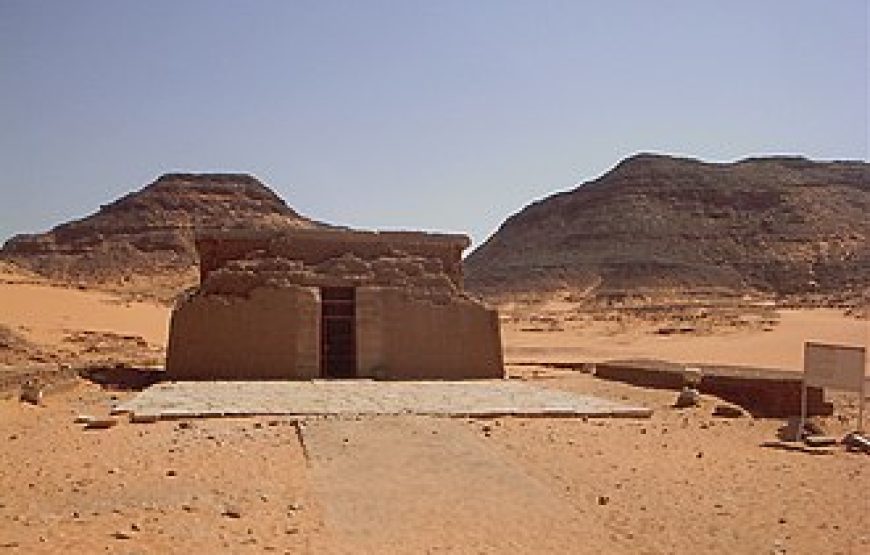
x=485, y=398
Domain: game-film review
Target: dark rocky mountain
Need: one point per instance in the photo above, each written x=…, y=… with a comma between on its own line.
x=150, y=232
x=778, y=225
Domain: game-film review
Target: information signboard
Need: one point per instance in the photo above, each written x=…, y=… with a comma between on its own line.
x=836, y=367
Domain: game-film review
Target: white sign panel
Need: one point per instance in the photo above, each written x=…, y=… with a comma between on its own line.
x=834, y=366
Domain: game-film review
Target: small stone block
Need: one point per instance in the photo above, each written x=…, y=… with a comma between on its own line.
x=144, y=418
x=820, y=441
x=100, y=423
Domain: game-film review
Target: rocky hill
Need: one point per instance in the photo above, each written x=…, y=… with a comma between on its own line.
x=148, y=235
x=783, y=226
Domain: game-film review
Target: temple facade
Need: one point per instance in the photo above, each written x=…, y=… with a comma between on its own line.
x=305, y=304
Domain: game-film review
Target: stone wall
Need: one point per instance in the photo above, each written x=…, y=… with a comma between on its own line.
x=763, y=392
x=271, y=334
x=400, y=337
x=314, y=247
x=257, y=312
x=423, y=278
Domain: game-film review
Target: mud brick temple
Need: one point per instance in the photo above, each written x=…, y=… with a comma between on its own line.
x=305, y=304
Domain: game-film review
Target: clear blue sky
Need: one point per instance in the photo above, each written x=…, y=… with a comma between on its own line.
x=442, y=115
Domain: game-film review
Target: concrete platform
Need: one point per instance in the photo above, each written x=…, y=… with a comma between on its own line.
x=484, y=398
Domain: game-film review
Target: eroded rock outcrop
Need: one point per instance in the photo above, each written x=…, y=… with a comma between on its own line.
x=151, y=231
x=782, y=226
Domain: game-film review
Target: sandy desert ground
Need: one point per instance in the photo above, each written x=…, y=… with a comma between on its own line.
x=767, y=338
x=45, y=322
x=682, y=481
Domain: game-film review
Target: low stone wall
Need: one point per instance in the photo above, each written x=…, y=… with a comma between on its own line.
x=271, y=334
x=762, y=392
x=400, y=337
x=274, y=333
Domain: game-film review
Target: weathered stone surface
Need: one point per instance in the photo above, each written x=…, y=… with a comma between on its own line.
x=353, y=397
x=261, y=336
x=234, y=263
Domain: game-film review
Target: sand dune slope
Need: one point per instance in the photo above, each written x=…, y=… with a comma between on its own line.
x=58, y=323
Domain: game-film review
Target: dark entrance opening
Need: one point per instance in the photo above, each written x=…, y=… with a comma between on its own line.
x=338, y=332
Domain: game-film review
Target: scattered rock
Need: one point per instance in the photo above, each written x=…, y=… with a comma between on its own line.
x=31, y=392
x=820, y=440
x=101, y=423
x=83, y=419
x=857, y=442
x=121, y=536
x=184, y=426
x=232, y=512
x=143, y=418
x=171, y=473
x=603, y=500
x=813, y=427
x=723, y=410
x=688, y=397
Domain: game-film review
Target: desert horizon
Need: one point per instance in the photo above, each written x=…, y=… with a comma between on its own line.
x=412, y=277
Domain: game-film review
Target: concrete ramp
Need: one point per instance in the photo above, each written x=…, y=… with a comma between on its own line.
x=484, y=398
